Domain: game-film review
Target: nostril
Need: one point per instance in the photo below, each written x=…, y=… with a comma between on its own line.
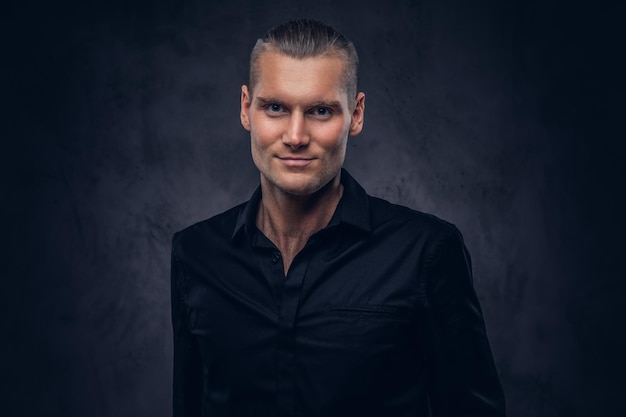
x=295, y=140
x=294, y=145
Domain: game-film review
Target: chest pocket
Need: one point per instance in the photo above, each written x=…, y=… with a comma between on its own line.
x=371, y=324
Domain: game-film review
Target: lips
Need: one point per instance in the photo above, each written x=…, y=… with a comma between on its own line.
x=295, y=161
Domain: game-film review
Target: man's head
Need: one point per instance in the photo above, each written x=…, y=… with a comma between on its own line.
x=306, y=38
x=301, y=107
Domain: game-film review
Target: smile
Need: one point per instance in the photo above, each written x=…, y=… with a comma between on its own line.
x=296, y=162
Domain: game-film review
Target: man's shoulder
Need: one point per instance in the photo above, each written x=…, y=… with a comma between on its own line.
x=385, y=214
x=216, y=229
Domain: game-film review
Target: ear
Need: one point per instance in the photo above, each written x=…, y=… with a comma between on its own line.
x=356, y=124
x=245, y=107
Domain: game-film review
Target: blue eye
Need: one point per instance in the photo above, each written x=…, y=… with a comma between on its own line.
x=322, y=111
x=275, y=108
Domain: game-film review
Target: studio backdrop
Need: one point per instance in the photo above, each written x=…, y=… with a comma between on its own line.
x=123, y=127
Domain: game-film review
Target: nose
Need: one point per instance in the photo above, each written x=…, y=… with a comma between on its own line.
x=296, y=135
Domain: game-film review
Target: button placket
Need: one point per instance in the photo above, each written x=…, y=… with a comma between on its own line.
x=275, y=257
x=286, y=347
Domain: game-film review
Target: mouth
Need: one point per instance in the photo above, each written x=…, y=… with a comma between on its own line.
x=291, y=161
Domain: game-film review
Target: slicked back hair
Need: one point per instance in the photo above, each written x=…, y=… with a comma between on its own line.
x=306, y=38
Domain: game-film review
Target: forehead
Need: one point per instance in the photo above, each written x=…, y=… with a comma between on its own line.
x=314, y=78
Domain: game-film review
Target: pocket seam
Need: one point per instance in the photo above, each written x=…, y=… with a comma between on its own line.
x=370, y=311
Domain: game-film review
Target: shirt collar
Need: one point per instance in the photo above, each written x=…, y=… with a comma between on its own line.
x=353, y=208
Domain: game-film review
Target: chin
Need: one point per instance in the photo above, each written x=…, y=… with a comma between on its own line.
x=297, y=184
x=299, y=189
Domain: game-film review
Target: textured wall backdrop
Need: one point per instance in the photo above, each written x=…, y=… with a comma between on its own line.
x=121, y=127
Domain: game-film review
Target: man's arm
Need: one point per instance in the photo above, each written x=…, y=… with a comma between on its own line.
x=464, y=380
x=187, y=398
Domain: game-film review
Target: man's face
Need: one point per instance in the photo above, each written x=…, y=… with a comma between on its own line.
x=299, y=117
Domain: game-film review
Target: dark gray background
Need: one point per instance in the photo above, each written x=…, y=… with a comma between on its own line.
x=121, y=126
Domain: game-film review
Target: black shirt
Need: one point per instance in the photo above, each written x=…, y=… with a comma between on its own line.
x=377, y=316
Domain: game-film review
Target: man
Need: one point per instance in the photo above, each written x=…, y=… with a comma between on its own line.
x=314, y=299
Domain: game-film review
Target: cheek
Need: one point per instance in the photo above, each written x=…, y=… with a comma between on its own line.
x=333, y=136
x=265, y=131
x=261, y=155
x=259, y=152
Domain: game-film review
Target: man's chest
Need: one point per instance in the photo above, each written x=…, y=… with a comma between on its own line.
x=332, y=297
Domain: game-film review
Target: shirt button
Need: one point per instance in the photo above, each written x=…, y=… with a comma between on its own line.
x=276, y=258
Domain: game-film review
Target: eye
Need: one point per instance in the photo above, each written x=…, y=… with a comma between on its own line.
x=322, y=111
x=274, y=108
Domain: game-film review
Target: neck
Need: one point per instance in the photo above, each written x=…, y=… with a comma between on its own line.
x=289, y=220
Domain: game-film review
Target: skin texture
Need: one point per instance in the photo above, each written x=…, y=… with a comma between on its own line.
x=299, y=117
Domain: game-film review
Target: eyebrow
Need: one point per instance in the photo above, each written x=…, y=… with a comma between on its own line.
x=269, y=100
x=320, y=103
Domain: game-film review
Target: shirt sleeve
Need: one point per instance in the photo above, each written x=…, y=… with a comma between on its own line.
x=463, y=376
x=187, y=383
